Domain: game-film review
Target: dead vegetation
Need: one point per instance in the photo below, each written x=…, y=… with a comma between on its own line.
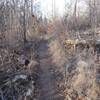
x=81, y=70
x=18, y=69
x=64, y=52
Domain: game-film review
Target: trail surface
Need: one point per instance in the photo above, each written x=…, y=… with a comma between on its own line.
x=46, y=80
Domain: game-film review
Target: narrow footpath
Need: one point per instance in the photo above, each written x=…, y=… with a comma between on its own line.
x=46, y=80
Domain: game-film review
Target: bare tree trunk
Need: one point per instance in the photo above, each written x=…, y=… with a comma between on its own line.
x=24, y=22
x=93, y=15
x=75, y=9
x=75, y=15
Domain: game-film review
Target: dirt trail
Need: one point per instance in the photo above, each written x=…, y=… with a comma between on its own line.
x=46, y=81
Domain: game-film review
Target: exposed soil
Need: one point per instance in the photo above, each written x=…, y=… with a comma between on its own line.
x=46, y=81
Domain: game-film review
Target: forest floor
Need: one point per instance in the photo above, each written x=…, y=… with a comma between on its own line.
x=45, y=70
x=46, y=80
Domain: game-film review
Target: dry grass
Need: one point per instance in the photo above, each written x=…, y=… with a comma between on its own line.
x=58, y=55
x=82, y=78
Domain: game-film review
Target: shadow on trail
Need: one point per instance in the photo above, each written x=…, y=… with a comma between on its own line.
x=46, y=80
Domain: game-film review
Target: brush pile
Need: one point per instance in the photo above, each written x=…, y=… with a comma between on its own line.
x=16, y=86
x=18, y=72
